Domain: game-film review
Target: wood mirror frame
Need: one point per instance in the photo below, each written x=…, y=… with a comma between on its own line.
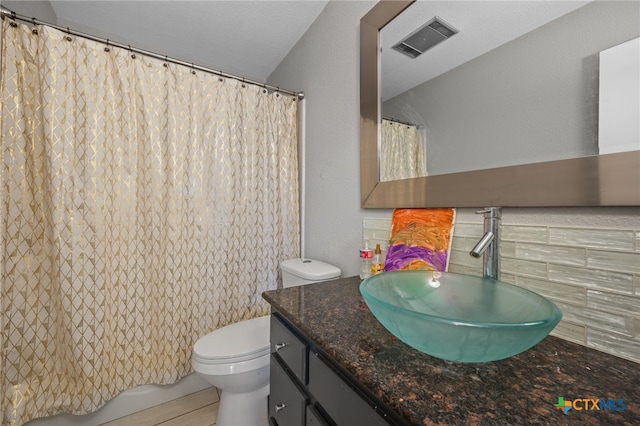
x=601, y=180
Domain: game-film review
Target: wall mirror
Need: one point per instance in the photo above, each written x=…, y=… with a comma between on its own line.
x=478, y=164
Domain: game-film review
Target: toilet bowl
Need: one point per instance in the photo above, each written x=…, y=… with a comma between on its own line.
x=235, y=358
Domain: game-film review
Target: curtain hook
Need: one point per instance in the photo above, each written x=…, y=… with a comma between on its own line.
x=193, y=71
x=34, y=30
x=13, y=22
x=243, y=85
x=166, y=63
x=69, y=38
x=133, y=55
x=107, y=48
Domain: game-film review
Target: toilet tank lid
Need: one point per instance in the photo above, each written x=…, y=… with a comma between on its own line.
x=310, y=269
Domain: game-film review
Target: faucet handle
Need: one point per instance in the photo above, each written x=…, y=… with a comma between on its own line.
x=493, y=211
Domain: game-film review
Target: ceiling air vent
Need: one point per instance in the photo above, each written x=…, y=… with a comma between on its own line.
x=424, y=38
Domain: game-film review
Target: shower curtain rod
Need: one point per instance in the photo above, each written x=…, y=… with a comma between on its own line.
x=406, y=123
x=4, y=12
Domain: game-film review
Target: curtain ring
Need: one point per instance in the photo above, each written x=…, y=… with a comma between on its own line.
x=13, y=23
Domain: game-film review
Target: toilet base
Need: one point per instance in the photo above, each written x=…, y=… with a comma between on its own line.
x=242, y=409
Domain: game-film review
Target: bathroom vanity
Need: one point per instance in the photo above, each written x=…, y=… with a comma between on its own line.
x=332, y=362
x=308, y=389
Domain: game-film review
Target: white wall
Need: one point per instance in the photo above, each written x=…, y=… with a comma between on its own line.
x=325, y=65
x=618, y=127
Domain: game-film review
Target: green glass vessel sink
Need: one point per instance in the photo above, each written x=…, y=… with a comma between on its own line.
x=459, y=317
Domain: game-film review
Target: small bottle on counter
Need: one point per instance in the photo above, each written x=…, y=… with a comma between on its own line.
x=377, y=265
x=366, y=255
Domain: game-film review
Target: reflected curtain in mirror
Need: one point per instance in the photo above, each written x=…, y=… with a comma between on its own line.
x=402, y=151
x=143, y=205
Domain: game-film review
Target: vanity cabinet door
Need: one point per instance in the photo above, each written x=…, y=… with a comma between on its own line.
x=314, y=418
x=286, y=402
x=289, y=348
x=342, y=403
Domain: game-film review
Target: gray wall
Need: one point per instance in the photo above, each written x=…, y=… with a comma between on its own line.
x=325, y=65
x=41, y=10
x=552, y=72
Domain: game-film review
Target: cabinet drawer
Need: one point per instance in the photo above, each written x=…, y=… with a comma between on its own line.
x=286, y=402
x=290, y=348
x=342, y=403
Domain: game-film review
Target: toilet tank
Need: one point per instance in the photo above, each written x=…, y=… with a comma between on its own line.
x=297, y=272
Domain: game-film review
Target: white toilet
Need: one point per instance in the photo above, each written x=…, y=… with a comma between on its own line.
x=235, y=358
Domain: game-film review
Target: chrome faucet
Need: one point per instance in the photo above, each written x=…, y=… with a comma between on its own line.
x=488, y=244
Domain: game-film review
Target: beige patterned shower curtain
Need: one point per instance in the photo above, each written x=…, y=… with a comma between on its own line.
x=143, y=205
x=402, y=151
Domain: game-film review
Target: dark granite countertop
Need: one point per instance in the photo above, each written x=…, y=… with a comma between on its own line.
x=424, y=390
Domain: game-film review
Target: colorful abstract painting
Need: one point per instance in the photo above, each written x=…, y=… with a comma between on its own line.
x=420, y=239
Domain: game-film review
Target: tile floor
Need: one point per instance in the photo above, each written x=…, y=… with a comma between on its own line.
x=197, y=409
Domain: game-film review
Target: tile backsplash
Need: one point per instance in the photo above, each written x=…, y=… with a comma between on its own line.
x=592, y=274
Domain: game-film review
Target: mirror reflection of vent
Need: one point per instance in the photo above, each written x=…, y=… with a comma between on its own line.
x=424, y=38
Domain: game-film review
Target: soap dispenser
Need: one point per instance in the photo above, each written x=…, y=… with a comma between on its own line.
x=377, y=265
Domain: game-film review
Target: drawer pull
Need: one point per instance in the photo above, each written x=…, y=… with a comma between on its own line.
x=280, y=407
x=280, y=346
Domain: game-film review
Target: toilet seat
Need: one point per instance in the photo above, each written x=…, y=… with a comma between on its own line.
x=234, y=343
